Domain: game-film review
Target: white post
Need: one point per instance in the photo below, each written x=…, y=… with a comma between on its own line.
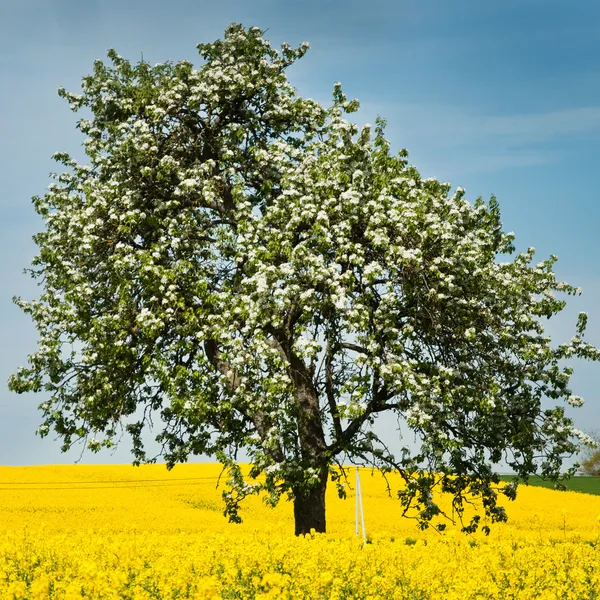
x=359, y=504
x=356, y=492
x=362, y=512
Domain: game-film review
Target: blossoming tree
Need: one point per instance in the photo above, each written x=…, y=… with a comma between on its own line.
x=256, y=272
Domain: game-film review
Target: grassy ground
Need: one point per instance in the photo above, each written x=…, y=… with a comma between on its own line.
x=586, y=485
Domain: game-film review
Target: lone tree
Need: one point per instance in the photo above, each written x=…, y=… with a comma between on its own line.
x=260, y=273
x=590, y=455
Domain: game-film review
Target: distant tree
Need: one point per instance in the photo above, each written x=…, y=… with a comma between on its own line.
x=590, y=455
x=254, y=271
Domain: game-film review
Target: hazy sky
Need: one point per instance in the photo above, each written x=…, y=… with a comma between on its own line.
x=498, y=97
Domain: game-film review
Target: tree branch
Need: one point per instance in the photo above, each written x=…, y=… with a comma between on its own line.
x=310, y=425
x=330, y=391
x=355, y=348
x=378, y=404
x=257, y=417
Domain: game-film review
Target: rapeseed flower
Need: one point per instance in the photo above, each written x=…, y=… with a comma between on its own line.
x=117, y=532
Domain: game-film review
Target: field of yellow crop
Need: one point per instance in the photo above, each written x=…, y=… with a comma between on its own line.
x=113, y=532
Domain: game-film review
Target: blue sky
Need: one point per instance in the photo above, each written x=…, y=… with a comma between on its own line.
x=500, y=98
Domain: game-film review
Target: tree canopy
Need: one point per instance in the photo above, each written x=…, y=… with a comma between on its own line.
x=253, y=271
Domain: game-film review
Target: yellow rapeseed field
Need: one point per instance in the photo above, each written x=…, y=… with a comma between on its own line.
x=140, y=533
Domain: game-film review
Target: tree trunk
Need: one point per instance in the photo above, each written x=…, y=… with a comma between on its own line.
x=309, y=506
x=309, y=499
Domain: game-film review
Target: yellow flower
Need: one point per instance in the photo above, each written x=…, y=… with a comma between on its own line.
x=149, y=539
x=17, y=590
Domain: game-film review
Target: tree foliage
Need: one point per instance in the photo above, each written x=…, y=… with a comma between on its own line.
x=255, y=271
